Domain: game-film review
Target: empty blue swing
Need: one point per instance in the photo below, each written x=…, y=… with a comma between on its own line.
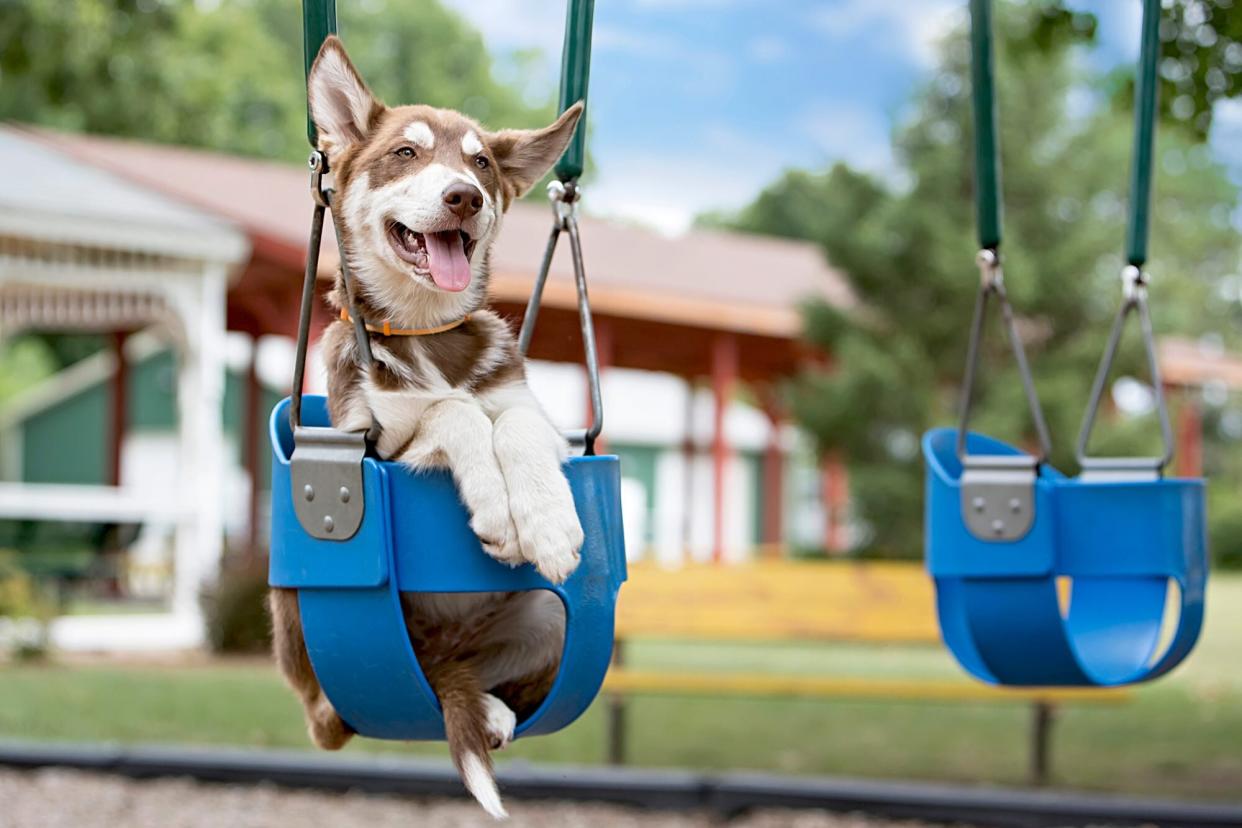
x=351, y=532
x=1043, y=579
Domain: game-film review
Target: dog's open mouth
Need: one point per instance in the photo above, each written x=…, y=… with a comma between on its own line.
x=445, y=254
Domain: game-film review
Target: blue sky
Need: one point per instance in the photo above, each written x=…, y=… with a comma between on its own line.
x=696, y=104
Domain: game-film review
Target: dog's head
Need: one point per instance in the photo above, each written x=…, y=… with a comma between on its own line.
x=420, y=191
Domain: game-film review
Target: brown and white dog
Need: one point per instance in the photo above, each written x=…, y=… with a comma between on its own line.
x=420, y=195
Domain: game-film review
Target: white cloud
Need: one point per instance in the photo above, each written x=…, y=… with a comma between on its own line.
x=850, y=133
x=666, y=191
x=664, y=5
x=767, y=49
x=913, y=29
x=648, y=44
x=516, y=24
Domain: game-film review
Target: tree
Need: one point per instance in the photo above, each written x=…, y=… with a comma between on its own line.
x=1201, y=58
x=228, y=75
x=908, y=250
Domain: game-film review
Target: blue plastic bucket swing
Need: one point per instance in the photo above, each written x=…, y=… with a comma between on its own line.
x=1043, y=579
x=351, y=532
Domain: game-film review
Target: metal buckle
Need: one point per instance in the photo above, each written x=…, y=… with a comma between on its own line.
x=998, y=495
x=325, y=473
x=998, y=491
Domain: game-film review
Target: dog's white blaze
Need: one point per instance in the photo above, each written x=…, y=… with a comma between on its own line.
x=417, y=202
x=419, y=133
x=470, y=143
x=481, y=784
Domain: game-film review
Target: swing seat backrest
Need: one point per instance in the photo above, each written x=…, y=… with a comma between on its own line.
x=415, y=537
x=1081, y=598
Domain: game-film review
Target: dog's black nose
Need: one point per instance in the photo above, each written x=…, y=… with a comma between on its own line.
x=463, y=199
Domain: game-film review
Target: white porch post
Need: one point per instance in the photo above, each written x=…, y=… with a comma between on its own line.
x=200, y=396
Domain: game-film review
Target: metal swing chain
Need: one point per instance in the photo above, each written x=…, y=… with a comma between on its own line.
x=321, y=194
x=564, y=198
x=1134, y=279
x=988, y=215
x=992, y=284
x=565, y=195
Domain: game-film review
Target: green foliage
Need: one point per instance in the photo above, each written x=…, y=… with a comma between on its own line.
x=24, y=612
x=236, y=610
x=1201, y=58
x=907, y=249
x=229, y=75
x=23, y=362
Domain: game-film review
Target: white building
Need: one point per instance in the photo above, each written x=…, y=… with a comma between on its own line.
x=190, y=262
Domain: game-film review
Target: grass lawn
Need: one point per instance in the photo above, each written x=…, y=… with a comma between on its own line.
x=1180, y=737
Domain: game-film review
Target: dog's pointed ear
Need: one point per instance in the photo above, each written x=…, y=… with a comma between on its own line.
x=341, y=105
x=524, y=155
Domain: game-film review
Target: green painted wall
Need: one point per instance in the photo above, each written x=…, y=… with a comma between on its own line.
x=68, y=442
x=753, y=461
x=65, y=443
x=639, y=463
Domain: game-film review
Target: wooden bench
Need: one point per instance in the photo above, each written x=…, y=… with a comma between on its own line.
x=869, y=603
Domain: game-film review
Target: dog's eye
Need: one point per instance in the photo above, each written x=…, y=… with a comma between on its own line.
x=481, y=162
x=406, y=152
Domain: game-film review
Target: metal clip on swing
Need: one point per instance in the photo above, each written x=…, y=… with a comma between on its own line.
x=351, y=532
x=1044, y=580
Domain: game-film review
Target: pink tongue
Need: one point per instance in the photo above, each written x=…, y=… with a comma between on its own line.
x=446, y=256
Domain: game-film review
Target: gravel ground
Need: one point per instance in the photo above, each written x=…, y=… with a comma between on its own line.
x=72, y=799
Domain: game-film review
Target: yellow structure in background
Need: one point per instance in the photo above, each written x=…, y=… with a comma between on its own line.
x=781, y=601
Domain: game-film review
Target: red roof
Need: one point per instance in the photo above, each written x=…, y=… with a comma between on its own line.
x=725, y=281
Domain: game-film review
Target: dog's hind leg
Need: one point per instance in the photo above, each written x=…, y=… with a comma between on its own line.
x=327, y=729
x=471, y=719
x=521, y=654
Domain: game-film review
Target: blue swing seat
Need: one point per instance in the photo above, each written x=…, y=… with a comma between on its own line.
x=415, y=537
x=1119, y=545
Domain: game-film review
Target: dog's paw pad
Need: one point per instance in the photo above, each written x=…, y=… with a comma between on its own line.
x=500, y=721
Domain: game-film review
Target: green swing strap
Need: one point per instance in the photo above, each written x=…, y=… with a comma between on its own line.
x=565, y=195
x=988, y=226
x=987, y=159
x=1146, y=85
x=575, y=77
x=1133, y=278
x=318, y=21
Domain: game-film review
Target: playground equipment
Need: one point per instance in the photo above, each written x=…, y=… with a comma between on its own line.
x=351, y=532
x=1043, y=579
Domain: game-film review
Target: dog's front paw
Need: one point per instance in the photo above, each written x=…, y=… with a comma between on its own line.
x=500, y=722
x=551, y=540
x=496, y=532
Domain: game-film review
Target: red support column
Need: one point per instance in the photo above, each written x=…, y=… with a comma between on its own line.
x=119, y=414
x=724, y=377
x=1189, y=462
x=834, y=492
x=773, y=482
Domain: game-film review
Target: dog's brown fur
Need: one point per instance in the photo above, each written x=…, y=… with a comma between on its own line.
x=459, y=641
